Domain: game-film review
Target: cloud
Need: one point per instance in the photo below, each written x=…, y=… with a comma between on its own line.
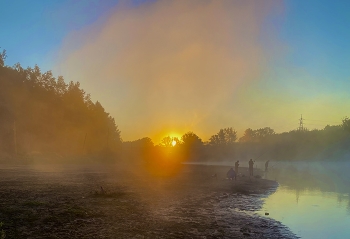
x=169, y=65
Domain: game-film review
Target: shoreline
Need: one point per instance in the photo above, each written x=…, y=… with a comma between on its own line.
x=192, y=204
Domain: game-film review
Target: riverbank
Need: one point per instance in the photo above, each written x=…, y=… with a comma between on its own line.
x=53, y=202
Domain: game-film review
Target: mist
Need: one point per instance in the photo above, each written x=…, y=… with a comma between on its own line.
x=161, y=124
x=173, y=65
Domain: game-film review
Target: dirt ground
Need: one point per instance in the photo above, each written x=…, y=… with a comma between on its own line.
x=68, y=202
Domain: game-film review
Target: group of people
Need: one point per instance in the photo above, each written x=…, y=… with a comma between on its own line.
x=232, y=174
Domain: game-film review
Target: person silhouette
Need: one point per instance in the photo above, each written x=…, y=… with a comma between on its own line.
x=236, y=167
x=251, y=166
x=231, y=174
x=266, y=165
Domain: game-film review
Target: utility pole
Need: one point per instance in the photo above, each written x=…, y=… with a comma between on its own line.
x=301, y=123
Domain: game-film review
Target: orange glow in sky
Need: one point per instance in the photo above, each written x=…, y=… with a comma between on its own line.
x=179, y=66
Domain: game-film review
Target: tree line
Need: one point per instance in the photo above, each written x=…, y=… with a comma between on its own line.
x=41, y=114
x=44, y=115
x=331, y=143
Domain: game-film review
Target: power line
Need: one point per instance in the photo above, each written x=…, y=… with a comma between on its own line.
x=302, y=123
x=322, y=121
x=316, y=125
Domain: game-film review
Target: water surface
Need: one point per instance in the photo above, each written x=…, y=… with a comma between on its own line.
x=312, y=204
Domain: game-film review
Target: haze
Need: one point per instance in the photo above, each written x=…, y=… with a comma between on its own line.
x=168, y=67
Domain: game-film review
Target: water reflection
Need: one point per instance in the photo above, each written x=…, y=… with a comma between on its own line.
x=313, y=201
x=315, y=214
x=323, y=176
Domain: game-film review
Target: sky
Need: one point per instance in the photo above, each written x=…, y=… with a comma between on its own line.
x=168, y=67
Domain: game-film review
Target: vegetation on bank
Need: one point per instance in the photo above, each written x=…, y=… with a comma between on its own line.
x=331, y=143
x=41, y=114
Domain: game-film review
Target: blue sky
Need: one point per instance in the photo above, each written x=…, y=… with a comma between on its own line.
x=309, y=42
x=33, y=30
x=316, y=31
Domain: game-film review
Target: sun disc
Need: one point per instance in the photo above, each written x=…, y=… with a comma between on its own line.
x=173, y=143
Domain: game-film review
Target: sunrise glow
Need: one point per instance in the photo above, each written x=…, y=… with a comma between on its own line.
x=171, y=118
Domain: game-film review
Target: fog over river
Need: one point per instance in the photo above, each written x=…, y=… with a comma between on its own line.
x=313, y=198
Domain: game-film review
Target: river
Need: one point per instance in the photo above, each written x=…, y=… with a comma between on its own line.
x=313, y=199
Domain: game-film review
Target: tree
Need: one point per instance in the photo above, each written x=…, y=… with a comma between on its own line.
x=146, y=142
x=230, y=136
x=346, y=124
x=168, y=141
x=262, y=133
x=141, y=146
x=190, y=139
x=256, y=135
x=226, y=136
x=191, y=146
x=3, y=57
x=51, y=116
x=249, y=136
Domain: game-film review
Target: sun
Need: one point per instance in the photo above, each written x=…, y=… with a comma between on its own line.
x=171, y=139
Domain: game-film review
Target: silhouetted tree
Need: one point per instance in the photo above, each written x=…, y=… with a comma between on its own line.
x=249, y=136
x=346, y=124
x=190, y=140
x=50, y=115
x=2, y=58
x=191, y=146
x=263, y=133
x=168, y=141
x=256, y=135
x=226, y=136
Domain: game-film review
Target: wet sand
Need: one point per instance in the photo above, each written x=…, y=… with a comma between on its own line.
x=69, y=203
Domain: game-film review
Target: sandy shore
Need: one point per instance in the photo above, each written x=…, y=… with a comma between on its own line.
x=49, y=202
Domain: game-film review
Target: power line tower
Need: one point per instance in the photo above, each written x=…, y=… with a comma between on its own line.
x=301, y=123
